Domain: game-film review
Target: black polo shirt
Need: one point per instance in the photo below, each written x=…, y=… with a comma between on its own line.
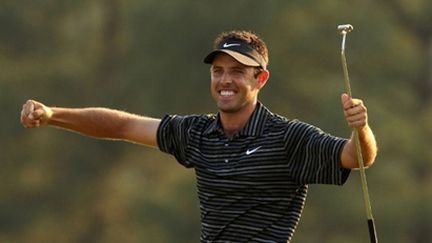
x=252, y=187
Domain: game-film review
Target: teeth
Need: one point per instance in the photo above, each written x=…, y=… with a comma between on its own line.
x=227, y=92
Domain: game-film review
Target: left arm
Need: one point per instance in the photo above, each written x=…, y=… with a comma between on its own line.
x=356, y=116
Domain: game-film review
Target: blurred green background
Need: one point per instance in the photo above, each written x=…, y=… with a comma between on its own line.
x=146, y=57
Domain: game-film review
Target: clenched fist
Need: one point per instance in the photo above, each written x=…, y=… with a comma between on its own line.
x=34, y=114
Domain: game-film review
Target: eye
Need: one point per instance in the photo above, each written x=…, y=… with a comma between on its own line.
x=238, y=71
x=216, y=72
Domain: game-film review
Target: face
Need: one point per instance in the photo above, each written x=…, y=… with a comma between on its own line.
x=234, y=86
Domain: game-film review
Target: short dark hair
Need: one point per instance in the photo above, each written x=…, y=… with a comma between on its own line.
x=247, y=36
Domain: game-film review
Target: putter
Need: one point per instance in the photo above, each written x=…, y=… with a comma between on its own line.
x=344, y=30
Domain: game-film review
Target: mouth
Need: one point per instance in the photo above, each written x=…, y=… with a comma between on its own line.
x=226, y=93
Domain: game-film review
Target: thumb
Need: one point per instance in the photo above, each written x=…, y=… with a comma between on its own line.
x=344, y=98
x=38, y=113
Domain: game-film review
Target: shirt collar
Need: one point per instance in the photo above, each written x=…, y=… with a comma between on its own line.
x=254, y=127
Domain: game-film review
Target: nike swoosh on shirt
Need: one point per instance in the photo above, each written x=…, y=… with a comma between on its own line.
x=250, y=151
x=226, y=45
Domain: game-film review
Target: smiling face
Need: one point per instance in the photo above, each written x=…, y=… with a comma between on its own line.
x=234, y=86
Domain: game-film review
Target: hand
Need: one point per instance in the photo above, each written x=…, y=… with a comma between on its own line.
x=34, y=114
x=355, y=112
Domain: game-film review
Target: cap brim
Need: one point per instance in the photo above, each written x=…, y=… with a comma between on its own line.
x=245, y=60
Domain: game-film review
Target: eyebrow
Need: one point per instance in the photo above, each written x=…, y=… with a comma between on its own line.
x=230, y=68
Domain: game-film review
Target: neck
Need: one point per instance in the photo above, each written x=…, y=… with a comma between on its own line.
x=233, y=122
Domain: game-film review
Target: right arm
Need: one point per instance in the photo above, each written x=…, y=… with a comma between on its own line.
x=95, y=122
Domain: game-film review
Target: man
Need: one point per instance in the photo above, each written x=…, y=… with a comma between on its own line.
x=252, y=166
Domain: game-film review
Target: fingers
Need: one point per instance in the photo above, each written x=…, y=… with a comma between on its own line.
x=31, y=114
x=29, y=108
x=27, y=120
x=355, y=111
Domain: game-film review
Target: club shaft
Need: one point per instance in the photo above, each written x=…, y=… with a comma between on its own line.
x=371, y=224
x=372, y=231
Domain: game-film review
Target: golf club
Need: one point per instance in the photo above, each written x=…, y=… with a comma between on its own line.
x=344, y=29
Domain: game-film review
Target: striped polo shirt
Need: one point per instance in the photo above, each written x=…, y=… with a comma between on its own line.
x=252, y=187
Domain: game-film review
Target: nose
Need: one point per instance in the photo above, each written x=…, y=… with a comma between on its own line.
x=225, y=78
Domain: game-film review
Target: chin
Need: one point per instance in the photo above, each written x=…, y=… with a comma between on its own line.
x=228, y=108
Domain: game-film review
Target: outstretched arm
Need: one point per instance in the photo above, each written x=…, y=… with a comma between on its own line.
x=356, y=116
x=95, y=122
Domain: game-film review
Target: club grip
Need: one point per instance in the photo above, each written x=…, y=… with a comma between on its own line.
x=372, y=231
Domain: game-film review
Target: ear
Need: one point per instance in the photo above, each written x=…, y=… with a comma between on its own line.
x=263, y=77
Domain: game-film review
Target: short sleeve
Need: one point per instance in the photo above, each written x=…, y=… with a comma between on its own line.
x=173, y=137
x=317, y=158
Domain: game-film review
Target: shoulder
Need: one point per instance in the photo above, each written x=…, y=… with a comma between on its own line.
x=277, y=120
x=290, y=127
x=201, y=120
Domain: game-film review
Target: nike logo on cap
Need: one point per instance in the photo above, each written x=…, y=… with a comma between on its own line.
x=226, y=45
x=250, y=151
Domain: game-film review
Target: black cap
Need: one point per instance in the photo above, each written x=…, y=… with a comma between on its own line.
x=239, y=50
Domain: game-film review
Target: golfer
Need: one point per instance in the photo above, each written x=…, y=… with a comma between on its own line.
x=252, y=166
